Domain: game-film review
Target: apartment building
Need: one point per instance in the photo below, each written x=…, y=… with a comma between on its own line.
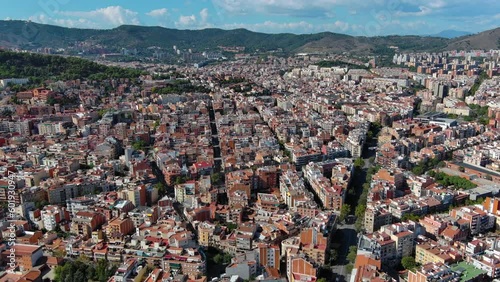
x=85, y=222
x=375, y=218
x=52, y=216
x=26, y=256
x=433, y=272
x=479, y=220
x=433, y=252
x=403, y=238
x=314, y=244
x=300, y=269
x=331, y=196
x=489, y=262
x=119, y=227
x=381, y=246
x=269, y=255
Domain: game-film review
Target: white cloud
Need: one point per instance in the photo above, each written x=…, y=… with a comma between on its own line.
x=287, y=7
x=73, y=23
x=204, y=15
x=434, y=4
x=292, y=27
x=327, y=8
x=158, y=13
x=111, y=16
x=194, y=22
x=424, y=11
x=336, y=26
x=186, y=21
x=366, y=17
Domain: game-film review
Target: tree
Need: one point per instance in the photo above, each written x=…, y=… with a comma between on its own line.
x=449, y=180
x=359, y=163
x=409, y=263
x=83, y=259
x=57, y=273
x=222, y=258
x=79, y=271
x=231, y=226
x=322, y=280
x=79, y=276
x=334, y=255
x=372, y=170
x=161, y=188
x=461, y=169
x=101, y=112
x=410, y=216
x=51, y=101
x=360, y=211
x=353, y=252
x=58, y=253
x=42, y=67
x=40, y=204
x=344, y=212
x=139, y=145
x=226, y=258
x=218, y=259
x=6, y=113
x=369, y=135
x=14, y=100
x=102, y=270
x=349, y=267
x=180, y=180
x=359, y=224
x=418, y=170
x=215, y=178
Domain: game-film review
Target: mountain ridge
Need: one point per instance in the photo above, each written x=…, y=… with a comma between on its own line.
x=30, y=35
x=450, y=34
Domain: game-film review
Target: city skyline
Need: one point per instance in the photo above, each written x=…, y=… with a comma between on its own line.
x=365, y=18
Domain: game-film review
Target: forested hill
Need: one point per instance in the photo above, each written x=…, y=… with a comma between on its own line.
x=29, y=35
x=42, y=67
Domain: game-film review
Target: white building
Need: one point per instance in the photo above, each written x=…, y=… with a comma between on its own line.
x=6, y=81
x=52, y=216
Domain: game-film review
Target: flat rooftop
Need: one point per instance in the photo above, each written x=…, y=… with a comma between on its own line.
x=469, y=271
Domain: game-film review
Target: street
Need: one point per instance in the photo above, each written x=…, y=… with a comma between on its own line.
x=348, y=237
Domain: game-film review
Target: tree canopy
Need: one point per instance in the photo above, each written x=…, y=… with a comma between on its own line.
x=452, y=180
x=344, y=212
x=82, y=271
x=409, y=263
x=38, y=68
x=353, y=252
x=359, y=163
x=179, y=87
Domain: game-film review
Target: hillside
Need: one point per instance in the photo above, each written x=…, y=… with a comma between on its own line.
x=451, y=33
x=29, y=35
x=485, y=40
x=143, y=37
x=42, y=67
x=374, y=45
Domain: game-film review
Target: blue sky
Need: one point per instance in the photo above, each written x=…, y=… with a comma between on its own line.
x=356, y=17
